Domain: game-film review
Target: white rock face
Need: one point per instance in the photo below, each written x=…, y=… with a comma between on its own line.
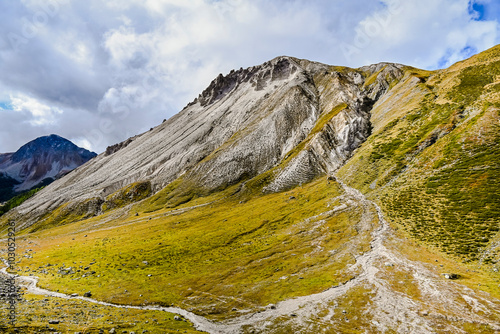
x=242, y=125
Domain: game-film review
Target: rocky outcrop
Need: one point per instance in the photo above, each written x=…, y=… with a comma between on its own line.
x=296, y=118
x=116, y=147
x=328, y=149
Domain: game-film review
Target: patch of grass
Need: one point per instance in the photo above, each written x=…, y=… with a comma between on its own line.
x=326, y=117
x=402, y=282
x=423, y=75
x=459, y=210
x=69, y=213
x=213, y=258
x=34, y=313
x=371, y=79
x=130, y=194
x=473, y=79
x=181, y=192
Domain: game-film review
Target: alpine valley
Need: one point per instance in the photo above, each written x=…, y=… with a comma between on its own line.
x=289, y=197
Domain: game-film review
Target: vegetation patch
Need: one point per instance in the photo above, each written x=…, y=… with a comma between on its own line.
x=213, y=258
x=69, y=213
x=457, y=207
x=130, y=194
x=473, y=80
x=371, y=79
x=34, y=313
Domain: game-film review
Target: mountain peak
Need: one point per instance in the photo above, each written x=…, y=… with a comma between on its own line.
x=244, y=124
x=43, y=144
x=282, y=58
x=45, y=157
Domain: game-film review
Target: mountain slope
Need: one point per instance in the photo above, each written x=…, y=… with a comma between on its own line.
x=43, y=159
x=292, y=118
x=243, y=209
x=433, y=163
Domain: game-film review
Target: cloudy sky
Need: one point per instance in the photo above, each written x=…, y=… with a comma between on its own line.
x=98, y=72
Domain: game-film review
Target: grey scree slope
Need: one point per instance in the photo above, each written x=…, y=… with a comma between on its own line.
x=242, y=125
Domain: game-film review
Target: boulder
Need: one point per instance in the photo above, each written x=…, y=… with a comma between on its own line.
x=451, y=276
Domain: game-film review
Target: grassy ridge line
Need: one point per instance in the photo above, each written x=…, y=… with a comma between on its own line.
x=434, y=166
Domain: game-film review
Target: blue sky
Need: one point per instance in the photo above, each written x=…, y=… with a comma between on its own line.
x=98, y=72
x=478, y=9
x=5, y=105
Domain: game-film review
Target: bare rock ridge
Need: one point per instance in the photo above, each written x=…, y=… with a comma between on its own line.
x=287, y=119
x=282, y=68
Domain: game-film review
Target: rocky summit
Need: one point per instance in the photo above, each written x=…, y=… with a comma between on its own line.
x=39, y=162
x=288, y=197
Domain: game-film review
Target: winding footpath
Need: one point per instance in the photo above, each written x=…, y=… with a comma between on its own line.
x=30, y=282
x=389, y=309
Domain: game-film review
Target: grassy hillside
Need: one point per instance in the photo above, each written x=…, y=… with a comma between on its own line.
x=433, y=163
x=75, y=316
x=217, y=255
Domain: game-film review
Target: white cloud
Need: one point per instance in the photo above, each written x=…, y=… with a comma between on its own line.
x=42, y=114
x=82, y=142
x=425, y=33
x=75, y=48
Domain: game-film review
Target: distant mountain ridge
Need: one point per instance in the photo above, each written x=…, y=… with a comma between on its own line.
x=39, y=162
